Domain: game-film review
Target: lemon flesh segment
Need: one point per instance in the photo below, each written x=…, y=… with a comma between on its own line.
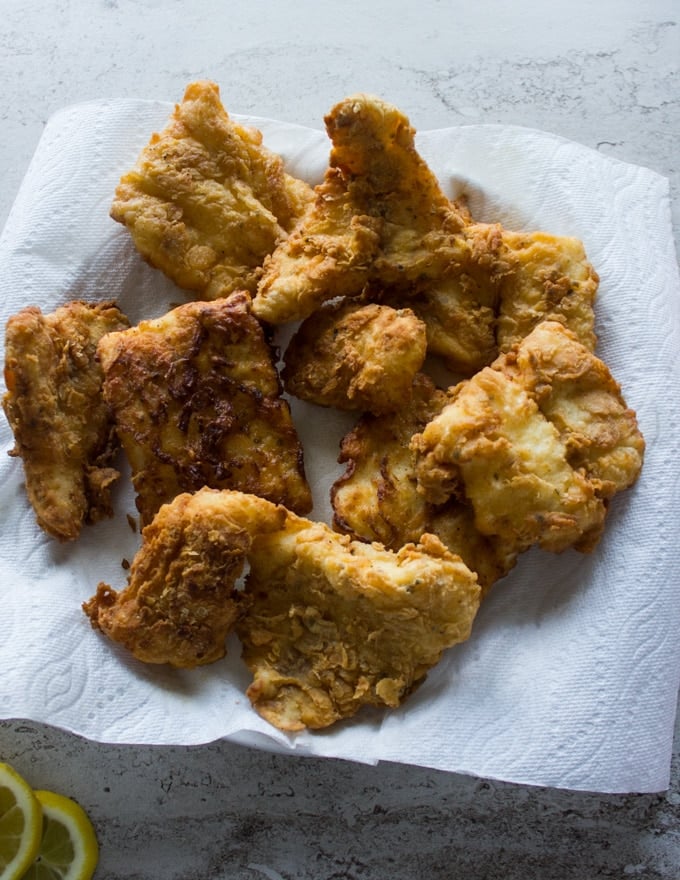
x=68, y=848
x=20, y=824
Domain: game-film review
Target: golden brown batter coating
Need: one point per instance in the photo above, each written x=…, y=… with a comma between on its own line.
x=381, y=227
x=197, y=402
x=509, y=283
x=327, y=625
x=334, y=625
x=379, y=216
x=329, y=254
x=180, y=602
x=537, y=444
x=377, y=498
x=577, y=393
x=62, y=429
x=206, y=201
x=355, y=357
x=549, y=278
x=460, y=308
x=493, y=446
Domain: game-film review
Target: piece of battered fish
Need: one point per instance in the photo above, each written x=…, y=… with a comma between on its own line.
x=62, y=429
x=511, y=282
x=379, y=216
x=460, y=308
x=493, y=446
x=206, y=201
x=577, y=393
x=548, y=278
x=327, y=625
x=537, y=443
x=377, y=498
x=355, y=357
x=333, y=625
x=180, y=602
x=197, y=402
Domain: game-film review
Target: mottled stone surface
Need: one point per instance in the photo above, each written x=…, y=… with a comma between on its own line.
x=606, y=74
x=224, y=811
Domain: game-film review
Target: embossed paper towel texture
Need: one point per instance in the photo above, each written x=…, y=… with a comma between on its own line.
x=571, y=675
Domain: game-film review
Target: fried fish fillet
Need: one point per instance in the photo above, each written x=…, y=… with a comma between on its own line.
x=327, y=625
x=62, y=429
x=460, y=308
x=379, y=216
x=548, y=278
x=381, y=227
x=511, y=282
x=197, y=402
x=577, y=393
x=377, y=498
x=493, y=446
x=537, y=443
x=333, y=625
x=180, y=601
x=353, y=356
x=206, y=201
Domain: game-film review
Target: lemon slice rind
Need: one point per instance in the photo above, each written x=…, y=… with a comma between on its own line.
x=69, y=848
x=20, y=808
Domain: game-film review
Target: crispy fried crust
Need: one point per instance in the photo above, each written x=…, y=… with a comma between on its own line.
x=460, y=308
x=180, y=603
x=329, y=254
x=62, y=429
x=493, y=446
x=196, y=401
x=334, y=625
x=549, y=278
x=379, y=215
x=537, y=443
x=381, y=227
x=356, y=357
x=377, y=498
x=327, y=625
x=577, y=393
x=206, y=201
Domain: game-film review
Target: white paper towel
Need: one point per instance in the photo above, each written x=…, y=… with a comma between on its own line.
x=571, y=676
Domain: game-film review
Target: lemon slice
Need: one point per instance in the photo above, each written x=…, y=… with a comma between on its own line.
x=20, y=824
x=68, y=849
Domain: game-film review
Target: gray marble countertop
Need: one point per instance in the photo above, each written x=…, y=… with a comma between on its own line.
x=605, y=74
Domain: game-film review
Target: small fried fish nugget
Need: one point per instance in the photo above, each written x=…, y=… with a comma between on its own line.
x=377, y=498
x=355, y=357
x=460, y=308
x=62, y=429
x=577, y=393
x=538, y=442
x=329, y=254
